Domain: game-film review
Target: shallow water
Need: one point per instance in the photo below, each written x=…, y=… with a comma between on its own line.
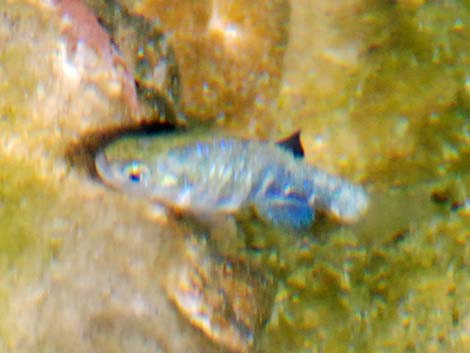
x=381, y=92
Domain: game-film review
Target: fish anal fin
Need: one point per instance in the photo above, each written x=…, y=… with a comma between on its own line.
x=285, y=212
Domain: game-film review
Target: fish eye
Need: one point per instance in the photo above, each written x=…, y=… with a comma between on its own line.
x=136, y=172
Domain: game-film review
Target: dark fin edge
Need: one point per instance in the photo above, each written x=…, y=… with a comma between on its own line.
x=292, y=143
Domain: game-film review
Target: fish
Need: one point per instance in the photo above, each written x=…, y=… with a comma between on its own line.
x=225, y=175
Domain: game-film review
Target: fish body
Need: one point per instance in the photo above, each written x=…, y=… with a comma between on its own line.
x=225, y=175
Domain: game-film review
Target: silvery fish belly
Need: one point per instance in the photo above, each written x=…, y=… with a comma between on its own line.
x=224, y=175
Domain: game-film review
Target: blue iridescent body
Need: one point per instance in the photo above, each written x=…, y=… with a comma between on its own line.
x=225, y=175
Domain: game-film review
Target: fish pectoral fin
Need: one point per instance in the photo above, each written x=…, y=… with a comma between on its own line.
x=286, y=212
x=223, y=231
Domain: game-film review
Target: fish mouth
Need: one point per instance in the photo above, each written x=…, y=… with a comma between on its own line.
x=102, y=166
x=109, y=171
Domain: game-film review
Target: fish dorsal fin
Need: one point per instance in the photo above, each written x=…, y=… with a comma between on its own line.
x=292, y=144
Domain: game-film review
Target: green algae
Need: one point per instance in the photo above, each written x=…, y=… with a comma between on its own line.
x=418, y=72
x=399, y=281
x=24, y=194
x=24, y=201
x=13, y=97
x=350, y=295
x=24, y=246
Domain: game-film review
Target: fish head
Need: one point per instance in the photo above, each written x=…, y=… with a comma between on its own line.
x=164, y=181
x=129, y=175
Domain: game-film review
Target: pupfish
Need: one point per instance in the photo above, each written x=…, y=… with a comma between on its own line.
x=223, y=175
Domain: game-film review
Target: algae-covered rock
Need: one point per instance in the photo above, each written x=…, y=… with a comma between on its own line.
x=380, y=91
x=230, y=54
x=103, y=292
x=82, y=266
x=46, y=65
x=145, y=49
x=388, y=107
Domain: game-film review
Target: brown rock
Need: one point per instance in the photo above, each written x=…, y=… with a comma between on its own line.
x=61, y=70
x=229, y=54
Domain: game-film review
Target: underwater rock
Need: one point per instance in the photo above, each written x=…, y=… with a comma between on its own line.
x=149, y=56
x=103, y=292
x=229, y=54
x=61, y=73
x=89, y=278
x=89, y=45
x=224, y=298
